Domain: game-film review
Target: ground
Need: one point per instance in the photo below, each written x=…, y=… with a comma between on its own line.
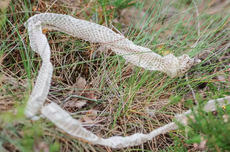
x=110, y=96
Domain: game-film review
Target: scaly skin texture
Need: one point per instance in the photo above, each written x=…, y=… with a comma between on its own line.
x=137, y=55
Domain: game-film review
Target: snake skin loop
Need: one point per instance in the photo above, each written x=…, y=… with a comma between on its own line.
x=73, y=127
x=137, y=55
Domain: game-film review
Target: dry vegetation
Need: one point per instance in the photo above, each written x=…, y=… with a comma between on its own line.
x=110, y=96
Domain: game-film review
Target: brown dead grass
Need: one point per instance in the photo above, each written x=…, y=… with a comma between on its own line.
x=141, y=116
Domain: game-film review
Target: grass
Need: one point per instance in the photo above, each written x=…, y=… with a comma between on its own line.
x=131, y=99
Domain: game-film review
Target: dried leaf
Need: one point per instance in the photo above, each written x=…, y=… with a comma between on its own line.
x=89, y=95
x=34, y=8
x=163, y=50
x=90, y=117
x=44, y=31
x=81, y=103
x=92, y=112
x=87, y=119
x=80, y=83
x=76, y=103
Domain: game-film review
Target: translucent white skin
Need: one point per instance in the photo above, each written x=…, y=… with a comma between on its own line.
x=137, y=55
x=73, y=127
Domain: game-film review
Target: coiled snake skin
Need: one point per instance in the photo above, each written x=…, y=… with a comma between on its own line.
x=137, y=55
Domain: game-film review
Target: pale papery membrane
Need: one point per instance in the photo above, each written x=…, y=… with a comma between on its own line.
x=137, y=55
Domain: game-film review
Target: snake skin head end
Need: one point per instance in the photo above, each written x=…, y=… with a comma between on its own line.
x=186, y=63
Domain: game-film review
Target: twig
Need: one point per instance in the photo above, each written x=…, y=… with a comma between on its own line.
x=193, y=93
x=85, y=7
x=51, y=6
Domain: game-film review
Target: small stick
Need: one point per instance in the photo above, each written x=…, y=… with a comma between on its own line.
x=193, y=93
